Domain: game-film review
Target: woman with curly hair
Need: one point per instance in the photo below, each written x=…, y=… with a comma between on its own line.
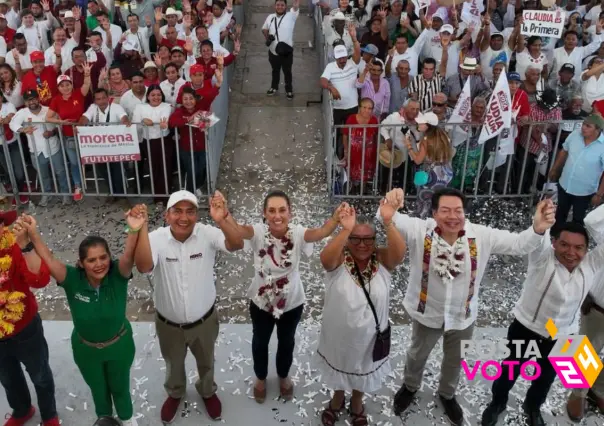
x=433, y=157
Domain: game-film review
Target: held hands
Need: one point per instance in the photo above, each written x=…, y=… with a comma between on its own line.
x=395, y=198
x=218, y=208
x=545, y=216
x=348, y=218
x=28, y=223
x=387, y=210
x=137, y=217
x=338, y=211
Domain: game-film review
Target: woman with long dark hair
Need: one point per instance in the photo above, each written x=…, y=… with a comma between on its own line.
x=97, y=294
x=10, y=86
x=433, y=157
x=153, y=116
x=276, y=293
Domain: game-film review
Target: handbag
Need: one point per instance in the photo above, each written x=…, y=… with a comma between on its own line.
x=282, y=48
x=381, y=348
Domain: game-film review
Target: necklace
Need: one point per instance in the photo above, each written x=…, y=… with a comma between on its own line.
x=275, y=254
x=449, y=259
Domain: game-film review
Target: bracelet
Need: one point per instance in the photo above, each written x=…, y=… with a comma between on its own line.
x=131, y=230
x=29, y=247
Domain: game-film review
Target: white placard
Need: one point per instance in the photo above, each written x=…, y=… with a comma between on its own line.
x=543, y=23
x=108, y=144
x=499, y=111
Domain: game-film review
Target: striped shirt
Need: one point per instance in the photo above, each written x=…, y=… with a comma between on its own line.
x=344, y=80
x=426, y=89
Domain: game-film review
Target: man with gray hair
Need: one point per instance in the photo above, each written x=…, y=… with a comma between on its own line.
x=532, y=83
x=440, y=108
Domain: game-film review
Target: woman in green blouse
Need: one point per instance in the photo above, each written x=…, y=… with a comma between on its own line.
x=97, y=293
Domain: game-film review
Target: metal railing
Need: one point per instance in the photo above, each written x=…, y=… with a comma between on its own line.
x=164, y=165
x=472, y=168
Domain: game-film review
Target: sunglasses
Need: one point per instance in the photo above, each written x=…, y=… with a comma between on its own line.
x=358, y=240
x=438, y=104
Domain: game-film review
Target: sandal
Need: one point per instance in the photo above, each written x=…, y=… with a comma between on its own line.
x=259, y=395
x=359, y=419
x=330, y=416
x=287, y=393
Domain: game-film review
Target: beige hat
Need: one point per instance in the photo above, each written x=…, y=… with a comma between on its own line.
x=172, y=11
x=548, y=3
x=386, y=159
x=149, y=64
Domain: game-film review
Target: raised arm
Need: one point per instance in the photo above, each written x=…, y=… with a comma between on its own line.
x=57, y=268
x=135, y=219
x=393, y=254
x=87, y=81
x=317, y=234
x=31, y=258
x=158, y=18
x=233, y=239
x=332, y=255
x=143, y=256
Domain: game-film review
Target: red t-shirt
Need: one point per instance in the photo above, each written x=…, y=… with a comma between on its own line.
x=22, y=280
x=598, y=107
x=169, y=45
x=69, y=109
x=207, y=92
x=45, y=84
x=8, y=35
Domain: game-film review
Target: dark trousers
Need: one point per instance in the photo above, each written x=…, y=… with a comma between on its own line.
x=529, y=171
x=160, y=175
x=566, y=201
x=339, y=117
x=29, y=348
x=537, y=393
x=263, y=324
x=277, y=64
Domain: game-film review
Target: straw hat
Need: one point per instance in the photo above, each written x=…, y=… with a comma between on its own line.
x=386, y=156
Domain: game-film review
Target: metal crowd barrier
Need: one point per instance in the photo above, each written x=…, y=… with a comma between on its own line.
x=478, y=174
x=157, y=167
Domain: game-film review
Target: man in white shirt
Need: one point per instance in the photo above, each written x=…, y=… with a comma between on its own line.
x=592, y=324
x=111, y=33
x=494, y=48
x=570, y=53
x=35, y=32
x=21, y=51
x=559, y=277
x=339, y=77
x=440, y=251
x=138, y=36
x=96, y=47
x=104, y=112
x=67, y=44
x=181, y=257
x=278, y=30
x=133, y=97
x=43, y=145
x=402, y=51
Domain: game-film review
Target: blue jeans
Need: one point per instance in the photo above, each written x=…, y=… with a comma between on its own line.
x=186, y=166
x=45, y=172
x=74, y=160
x=16, y=161
x=29, y=348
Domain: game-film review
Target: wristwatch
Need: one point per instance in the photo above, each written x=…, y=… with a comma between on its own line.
x=29, y=247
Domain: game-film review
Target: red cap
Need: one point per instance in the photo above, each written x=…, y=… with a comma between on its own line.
x=36, y=56
x=197, y=69
x=8, y=217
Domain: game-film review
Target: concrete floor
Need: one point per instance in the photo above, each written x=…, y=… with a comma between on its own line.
x=234, y=377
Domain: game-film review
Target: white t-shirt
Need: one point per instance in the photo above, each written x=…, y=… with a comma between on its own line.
x=15, y=96
x=112, y=114
x=36, y=34
x=66, y=61
x=344, y=80
x=524, y=60
x=156, y=114
x=23, y=59
x=295, y=294
x=171, y=91
x=285, y=23
x=116, y=34
x=490, y=57
x=5, y=110
x=37, y=143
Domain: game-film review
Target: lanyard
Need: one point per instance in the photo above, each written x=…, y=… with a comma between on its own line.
x=107, y=114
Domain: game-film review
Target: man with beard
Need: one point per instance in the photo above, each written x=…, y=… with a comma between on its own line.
x=450, y=252
x=278, y=30
x=18, y=59
x=192, y=322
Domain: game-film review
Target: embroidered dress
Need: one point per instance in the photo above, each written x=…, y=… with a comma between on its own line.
x=282, y=276
x=345, y=353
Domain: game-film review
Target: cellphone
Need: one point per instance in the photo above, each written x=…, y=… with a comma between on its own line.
x=403, y=16
x=547, y=195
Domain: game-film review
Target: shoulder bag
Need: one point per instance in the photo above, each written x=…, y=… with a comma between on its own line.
x=282, y=48
x=381, y=348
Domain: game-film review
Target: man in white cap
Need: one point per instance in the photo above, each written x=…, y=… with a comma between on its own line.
x=181, y=257
x=447, y=49
x=339, y=78
x=446, y=252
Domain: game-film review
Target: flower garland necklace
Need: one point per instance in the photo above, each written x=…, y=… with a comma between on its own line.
x=11, y=302
x=449, y=260
x=271, y=295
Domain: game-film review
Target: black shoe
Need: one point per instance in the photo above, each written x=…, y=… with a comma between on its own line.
x=452, y=410
x=490, y=415
x=533, y=416
x=290, y=96
x=271, y=92
x=402, y=400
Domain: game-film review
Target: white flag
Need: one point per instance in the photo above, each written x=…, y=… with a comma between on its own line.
x=420, y=4
x=499, y=111
x=463, y=109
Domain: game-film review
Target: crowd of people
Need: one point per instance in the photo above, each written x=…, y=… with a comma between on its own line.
x=157, y=64
x=404, y=69
x=444, y=251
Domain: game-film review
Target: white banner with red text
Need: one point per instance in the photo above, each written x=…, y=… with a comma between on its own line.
x=543, y=23
x=499, y=111
x=108, y=144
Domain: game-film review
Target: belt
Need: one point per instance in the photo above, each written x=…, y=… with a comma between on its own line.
x=188, y=325
x=102, y=345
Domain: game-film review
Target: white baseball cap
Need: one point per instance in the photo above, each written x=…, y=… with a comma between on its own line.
x=68, y=14
x=340, y=52
x=447, y=28
x=183, y=195
x=62, y=78
x=427, y=118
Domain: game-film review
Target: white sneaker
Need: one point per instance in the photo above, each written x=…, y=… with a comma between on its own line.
x=131, y=422
x=43, y=201
x=66, y=200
